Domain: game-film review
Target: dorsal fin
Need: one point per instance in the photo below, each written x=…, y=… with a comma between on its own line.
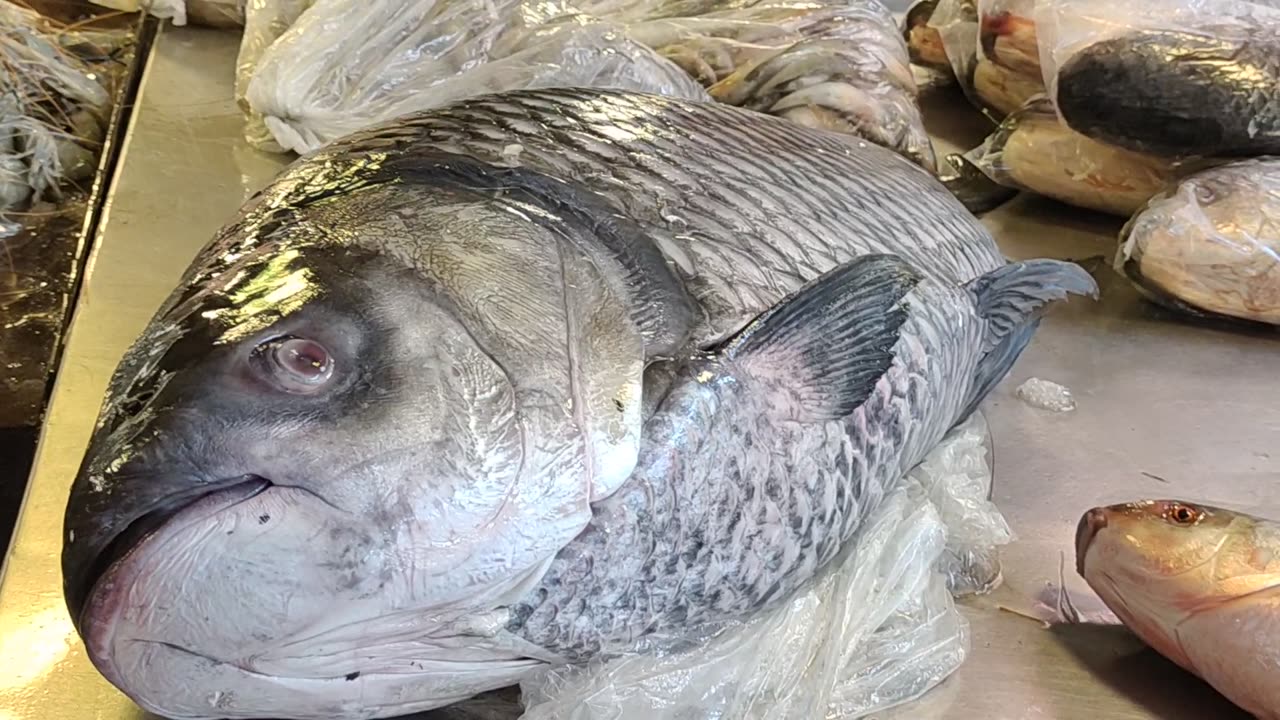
x=824, y=347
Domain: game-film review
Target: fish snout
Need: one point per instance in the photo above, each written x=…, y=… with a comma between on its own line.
x=111, y=510
x=1092, y=522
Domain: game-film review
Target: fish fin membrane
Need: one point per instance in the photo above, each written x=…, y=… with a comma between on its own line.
x=1012, y=300
x=828, y=343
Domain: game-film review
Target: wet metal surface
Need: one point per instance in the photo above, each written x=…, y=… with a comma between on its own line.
x=1165, y=407
x=42, y=261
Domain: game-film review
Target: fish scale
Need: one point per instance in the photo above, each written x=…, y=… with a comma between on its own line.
x=675, y=535
x=706, y=148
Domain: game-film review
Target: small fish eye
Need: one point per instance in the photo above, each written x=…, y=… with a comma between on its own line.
x=1181, y=514
x=297, y=365
x=1205, y=194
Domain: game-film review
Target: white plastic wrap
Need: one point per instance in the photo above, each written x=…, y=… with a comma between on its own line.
x=1211, y=246
x=877, y=630
x=956, y=24
x=310, y=74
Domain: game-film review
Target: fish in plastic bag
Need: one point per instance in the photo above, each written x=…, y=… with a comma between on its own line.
x=1034, y=150
x=1211, y=245
x=1007, y=73
x=924, y=43
x=335, y=70
x=1168, y=77
x=949, y=34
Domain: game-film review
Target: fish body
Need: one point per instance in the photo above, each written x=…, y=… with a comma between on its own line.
x=1199, y=584
x=1210, y=244
x=532, y=378
x=1205, y=92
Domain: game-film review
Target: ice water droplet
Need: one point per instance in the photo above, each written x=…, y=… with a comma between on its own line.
x=1046, y=395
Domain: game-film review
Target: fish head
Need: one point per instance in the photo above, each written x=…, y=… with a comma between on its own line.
x=1157, y=563
x=343, y=447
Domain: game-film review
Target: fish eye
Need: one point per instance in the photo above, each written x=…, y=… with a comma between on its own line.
x=296, y=365
x=1205, y=194
x=1180, y=514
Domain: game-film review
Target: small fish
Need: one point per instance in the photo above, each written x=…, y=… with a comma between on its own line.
x=430, y=415
x=1199, y=584
x=1210, y=245
x=1212, y=91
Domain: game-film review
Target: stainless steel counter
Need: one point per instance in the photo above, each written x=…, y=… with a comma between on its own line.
x=1165, y=408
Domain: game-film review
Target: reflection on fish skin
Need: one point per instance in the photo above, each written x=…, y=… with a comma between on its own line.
x=1210, y=245
x=1199, y=584
x=1178, y=93
x=659, y=339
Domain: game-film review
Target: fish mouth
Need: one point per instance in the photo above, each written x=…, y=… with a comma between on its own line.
x=224, y=493
x=1087, y=529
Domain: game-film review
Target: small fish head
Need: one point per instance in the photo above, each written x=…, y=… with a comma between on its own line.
x=309, y=477
x=1156, y=562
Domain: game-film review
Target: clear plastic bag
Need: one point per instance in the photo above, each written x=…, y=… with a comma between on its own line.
x=337, y=69
x=1034, y=150
x=1211, y=246
x=832, y=64
x=956, y=24
x=924, y=43
x=877, y=630
x=1170, y=77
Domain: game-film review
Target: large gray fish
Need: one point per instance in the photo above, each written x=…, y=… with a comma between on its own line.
x=1212, y=91
x=527, y=379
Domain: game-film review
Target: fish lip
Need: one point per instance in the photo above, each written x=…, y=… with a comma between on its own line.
x=1086, y=530
x=80, y=595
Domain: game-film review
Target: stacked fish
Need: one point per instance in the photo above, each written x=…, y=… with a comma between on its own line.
x=1162, y=112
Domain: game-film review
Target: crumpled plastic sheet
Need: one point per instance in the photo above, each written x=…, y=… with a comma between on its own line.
x=1210, y=246
x=312, y=71
x=1034, y=150
x=880, y=628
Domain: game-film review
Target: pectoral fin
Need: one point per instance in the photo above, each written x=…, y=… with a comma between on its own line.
x=820, y=351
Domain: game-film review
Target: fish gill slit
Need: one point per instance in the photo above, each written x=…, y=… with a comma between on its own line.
x=571, y=352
